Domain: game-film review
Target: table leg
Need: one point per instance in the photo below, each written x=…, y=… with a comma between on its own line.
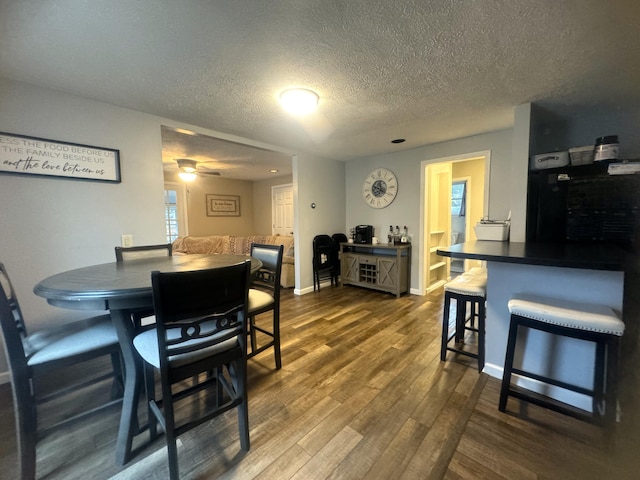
x=133, y=377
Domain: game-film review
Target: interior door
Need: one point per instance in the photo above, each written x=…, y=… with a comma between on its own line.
x=282, y=210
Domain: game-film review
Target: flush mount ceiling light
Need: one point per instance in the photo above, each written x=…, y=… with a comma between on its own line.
x=187, y=169
x=299, y=101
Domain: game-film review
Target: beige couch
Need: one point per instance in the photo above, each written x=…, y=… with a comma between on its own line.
x=238, y=245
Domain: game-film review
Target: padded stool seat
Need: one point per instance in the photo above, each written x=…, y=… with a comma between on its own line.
x=480, y=271
x=471, y=289
x=590, y=322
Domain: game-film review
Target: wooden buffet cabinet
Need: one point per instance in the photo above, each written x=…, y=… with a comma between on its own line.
x=380, y=267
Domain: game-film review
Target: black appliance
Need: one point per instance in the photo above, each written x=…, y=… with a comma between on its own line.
x=364, y=234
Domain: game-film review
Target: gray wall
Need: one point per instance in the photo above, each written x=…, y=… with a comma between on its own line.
x=52, y=224
x=322, y=182
x=405, y=209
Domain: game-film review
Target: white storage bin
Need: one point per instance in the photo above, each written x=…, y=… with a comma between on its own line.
x=581, y=155
x=498, y=231
x=549, y=160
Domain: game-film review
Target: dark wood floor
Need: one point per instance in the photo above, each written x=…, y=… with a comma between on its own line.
x=362, y=394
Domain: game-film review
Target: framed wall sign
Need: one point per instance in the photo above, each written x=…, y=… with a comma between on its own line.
x=223, y=205
x=24, y=155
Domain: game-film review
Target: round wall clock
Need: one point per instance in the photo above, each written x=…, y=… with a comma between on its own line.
x=380, y=188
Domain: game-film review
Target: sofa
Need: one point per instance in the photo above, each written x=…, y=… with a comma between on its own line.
x=239, y=245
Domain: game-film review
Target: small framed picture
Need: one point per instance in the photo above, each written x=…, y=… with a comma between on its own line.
x=223, y=205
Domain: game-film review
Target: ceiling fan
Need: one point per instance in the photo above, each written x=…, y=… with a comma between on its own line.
x=188, y=170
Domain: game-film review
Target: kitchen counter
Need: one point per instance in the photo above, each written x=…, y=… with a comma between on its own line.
x=589, y=273
x=595, y=256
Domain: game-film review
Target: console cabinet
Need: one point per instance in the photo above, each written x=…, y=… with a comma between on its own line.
x=380, y=267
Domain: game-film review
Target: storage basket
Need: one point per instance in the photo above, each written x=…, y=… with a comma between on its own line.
x=496, y=231
x=550, y=160
x=581, y=155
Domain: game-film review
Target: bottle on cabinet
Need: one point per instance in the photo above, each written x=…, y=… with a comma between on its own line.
x=404, y=238
x=390, y=235
x=396, y=235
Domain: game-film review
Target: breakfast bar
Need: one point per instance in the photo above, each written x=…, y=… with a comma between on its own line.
x=592, y=273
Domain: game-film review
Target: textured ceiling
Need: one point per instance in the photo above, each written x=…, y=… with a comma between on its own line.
x=427, y=71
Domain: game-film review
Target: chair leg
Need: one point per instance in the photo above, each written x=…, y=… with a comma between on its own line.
x=252, y=333
x=508, y=364
x=26, y=428
x=276, y=337
x=445, y=327
x=598, y=404
x=150, y=390
x=169, y=431
x=461, y=314
x=243, y=408
x=611, y=381
x=481, y=333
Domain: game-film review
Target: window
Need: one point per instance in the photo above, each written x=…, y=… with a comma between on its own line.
x=171, y=214
x=458, y=198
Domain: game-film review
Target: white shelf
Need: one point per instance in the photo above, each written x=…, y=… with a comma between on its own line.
x=435, y=285
x=436, y=266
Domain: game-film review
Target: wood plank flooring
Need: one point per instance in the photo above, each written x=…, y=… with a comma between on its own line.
x=362, y=395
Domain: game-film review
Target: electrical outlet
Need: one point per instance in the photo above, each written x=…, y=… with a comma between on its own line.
x=127, y=241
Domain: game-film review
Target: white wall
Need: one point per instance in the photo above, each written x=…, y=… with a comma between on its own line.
x=405, y=209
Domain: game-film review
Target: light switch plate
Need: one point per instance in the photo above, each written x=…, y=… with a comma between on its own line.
x=127, y=241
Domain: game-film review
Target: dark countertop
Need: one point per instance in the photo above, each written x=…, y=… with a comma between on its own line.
x=594, y=256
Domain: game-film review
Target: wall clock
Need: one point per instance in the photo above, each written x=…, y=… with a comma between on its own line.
x=380, y=188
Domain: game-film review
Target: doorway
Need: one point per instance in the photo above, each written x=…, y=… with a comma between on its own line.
x=447, y=216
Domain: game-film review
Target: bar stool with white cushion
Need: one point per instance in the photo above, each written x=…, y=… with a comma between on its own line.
x=594, y=323
x=465, y=289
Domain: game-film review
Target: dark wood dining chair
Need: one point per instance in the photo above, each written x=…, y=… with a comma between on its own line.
x=145, y=316
x=324, y=263
x=264, y=296
x=143, y=251
x=200, y=329
x=42, y=355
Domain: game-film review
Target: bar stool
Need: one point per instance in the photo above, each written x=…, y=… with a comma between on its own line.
x=466, y=288
x=593, y=323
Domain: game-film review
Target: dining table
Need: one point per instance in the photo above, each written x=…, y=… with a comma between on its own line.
x=121, y=288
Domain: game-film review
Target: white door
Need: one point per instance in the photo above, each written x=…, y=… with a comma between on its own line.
x=282, y=210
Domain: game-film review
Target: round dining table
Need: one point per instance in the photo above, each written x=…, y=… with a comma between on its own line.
x=122, y=287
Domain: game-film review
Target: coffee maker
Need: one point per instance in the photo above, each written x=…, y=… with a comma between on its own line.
x=363, y=234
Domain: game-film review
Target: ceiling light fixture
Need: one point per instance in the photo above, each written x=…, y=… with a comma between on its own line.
x=184, y=131
x=273, y=170
x=187, y=168
x=299, y=101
